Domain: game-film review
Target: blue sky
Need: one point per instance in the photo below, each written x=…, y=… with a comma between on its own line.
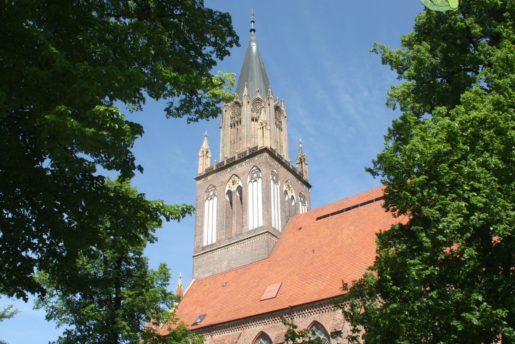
x=317, y=58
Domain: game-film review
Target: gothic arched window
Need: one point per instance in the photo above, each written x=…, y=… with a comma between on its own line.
x=278, y=117
x=318, y=331
x=303, y=204
x=235, y=114
x=235, y=126
x=234, y=208
x=255, y=204
x=233, y=188
x=263, y=338
x=210, y=215
x=276, y=201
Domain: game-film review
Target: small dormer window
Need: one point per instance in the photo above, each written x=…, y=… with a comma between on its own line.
x=199, y=319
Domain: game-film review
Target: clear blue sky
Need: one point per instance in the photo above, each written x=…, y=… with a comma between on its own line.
x=317, y=57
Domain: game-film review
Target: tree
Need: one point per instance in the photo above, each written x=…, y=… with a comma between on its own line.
x=123, y=293
x=446, y=276
x=64, y=66
x=441, y=5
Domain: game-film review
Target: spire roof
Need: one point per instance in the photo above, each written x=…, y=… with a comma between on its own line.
x=178, y=288
x=253, y=72
x=205, y=144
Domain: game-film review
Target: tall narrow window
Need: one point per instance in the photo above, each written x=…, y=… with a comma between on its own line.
x=289, y=200
x=318, y=331
x=276, y=201
x=303, y=205
x=255, y=204
x=210, y=216
x=233, y=209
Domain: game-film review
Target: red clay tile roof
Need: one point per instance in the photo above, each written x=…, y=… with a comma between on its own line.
x=311, y=260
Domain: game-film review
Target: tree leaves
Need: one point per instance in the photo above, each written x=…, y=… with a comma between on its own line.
x=447, y=274
x=115, y=295
x=65, y=68
x=441, y=5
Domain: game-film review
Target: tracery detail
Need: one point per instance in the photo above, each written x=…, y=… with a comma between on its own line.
x=256, y=108
x=235, y=114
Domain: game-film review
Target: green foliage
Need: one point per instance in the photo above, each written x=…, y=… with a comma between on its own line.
x=441, y=5
x=123, y=294
x=64, y=65
x=446, y=276
x=8, y=312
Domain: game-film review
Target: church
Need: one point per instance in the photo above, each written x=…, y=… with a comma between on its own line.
x=260, y=252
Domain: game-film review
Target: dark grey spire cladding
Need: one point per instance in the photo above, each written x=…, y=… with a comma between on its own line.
x=253, y=71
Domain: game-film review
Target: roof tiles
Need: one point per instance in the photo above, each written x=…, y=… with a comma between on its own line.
x=310, y=261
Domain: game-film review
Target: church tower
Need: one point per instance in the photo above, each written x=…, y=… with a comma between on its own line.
x=245, y=200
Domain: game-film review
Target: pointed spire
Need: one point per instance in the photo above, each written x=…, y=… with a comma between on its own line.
x=204, y=156
x=253, y=70
x=178, y=288
x=302, y=162
x=205, y=144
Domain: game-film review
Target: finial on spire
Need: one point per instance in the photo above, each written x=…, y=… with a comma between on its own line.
x=205, y=144
x=204, y=155
x=245, y=90
x=178, y=288
x=252, y=22
x=302, y=162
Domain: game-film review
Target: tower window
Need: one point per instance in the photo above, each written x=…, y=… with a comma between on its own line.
x=303, y=205
x=289, y=198
x=255, y=204
x=233, y=208
x=278, y=118
x=276, y=201
x=210, y=216
x=235, y=114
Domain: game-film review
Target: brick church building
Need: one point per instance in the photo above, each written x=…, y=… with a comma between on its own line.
x=260, y=252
